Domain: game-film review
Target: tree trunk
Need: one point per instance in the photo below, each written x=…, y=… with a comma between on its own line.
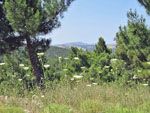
x=35, y=63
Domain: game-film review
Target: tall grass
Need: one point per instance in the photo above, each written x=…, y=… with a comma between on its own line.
x=83, y=98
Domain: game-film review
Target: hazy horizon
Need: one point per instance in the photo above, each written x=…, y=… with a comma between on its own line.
x=80, y=42
x=87, y=21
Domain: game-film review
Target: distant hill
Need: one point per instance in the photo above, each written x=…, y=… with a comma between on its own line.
x=63, y=50
x=85, y=46
x=55, y=51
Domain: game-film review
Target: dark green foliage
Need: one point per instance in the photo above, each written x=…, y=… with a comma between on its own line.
x=133, y=47
x=22, y=21
x=133, y=40
x=128, y=65
x=101, y=46
x=8, y=40
x=79, y=58
x=146, y=4
x=100, y=67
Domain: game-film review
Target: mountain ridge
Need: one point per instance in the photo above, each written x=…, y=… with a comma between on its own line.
x=85, y=46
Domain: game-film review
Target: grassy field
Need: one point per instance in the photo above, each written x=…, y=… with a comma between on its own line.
x=81, y=98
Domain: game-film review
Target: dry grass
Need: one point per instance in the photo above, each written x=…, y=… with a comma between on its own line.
x=79, y=97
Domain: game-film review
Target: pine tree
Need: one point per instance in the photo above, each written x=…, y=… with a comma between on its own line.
x=133, y=40
x=146, y=4
x=101, y=46
x=21, y=23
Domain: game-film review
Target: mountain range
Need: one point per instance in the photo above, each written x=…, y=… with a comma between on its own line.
x=84, y=46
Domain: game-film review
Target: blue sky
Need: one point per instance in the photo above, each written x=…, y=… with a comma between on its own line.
x=87, y=20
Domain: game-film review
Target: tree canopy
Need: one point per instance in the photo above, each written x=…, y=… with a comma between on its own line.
x=133, y=40
x=22, y=21
x=101, y=46
x=146, y=4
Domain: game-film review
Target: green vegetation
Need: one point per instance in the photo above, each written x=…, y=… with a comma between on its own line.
x=90, y=106
x=57, y=108
x=146, y=4
x=28, y=19
x=11, y=110
x=71, y=80
x=101, y=46
x=83, y=98
x=55, y=51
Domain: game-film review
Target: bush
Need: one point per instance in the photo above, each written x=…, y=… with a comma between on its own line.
x=11, y=110
x=56, y=108
x=90, y=106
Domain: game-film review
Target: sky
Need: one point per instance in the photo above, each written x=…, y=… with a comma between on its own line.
x=87, y=20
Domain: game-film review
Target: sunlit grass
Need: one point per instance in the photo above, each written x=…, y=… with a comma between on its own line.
x=83, y=99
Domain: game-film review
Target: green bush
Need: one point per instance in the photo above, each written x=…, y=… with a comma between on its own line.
x=11, y=110
x=90, y=106
x=56, y=108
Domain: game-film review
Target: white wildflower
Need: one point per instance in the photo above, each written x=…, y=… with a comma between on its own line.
x=46, y=66
x=145, y=84
x=40, y=54
x=20, y=80
x=76, y=58
x=95, y=83
x=114, y=60
x=65, y=69
x=26, y=111
x=59, y=58
x=21, y=65
x=88, y=85
x=1, y=64
x=135, y=77
x=42, y=78
x=106, y=67
x=77, y=76
x=139, y=71
x=148, y=63
x=65, y=75
x=26, y=68
x=72, y=79
x=27, y=75
x=6, y=98
x=66, y=58
x=42, y=96
x=83, y=67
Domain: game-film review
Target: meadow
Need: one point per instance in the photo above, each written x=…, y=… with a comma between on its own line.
x=69, y=91
x=81, y=98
